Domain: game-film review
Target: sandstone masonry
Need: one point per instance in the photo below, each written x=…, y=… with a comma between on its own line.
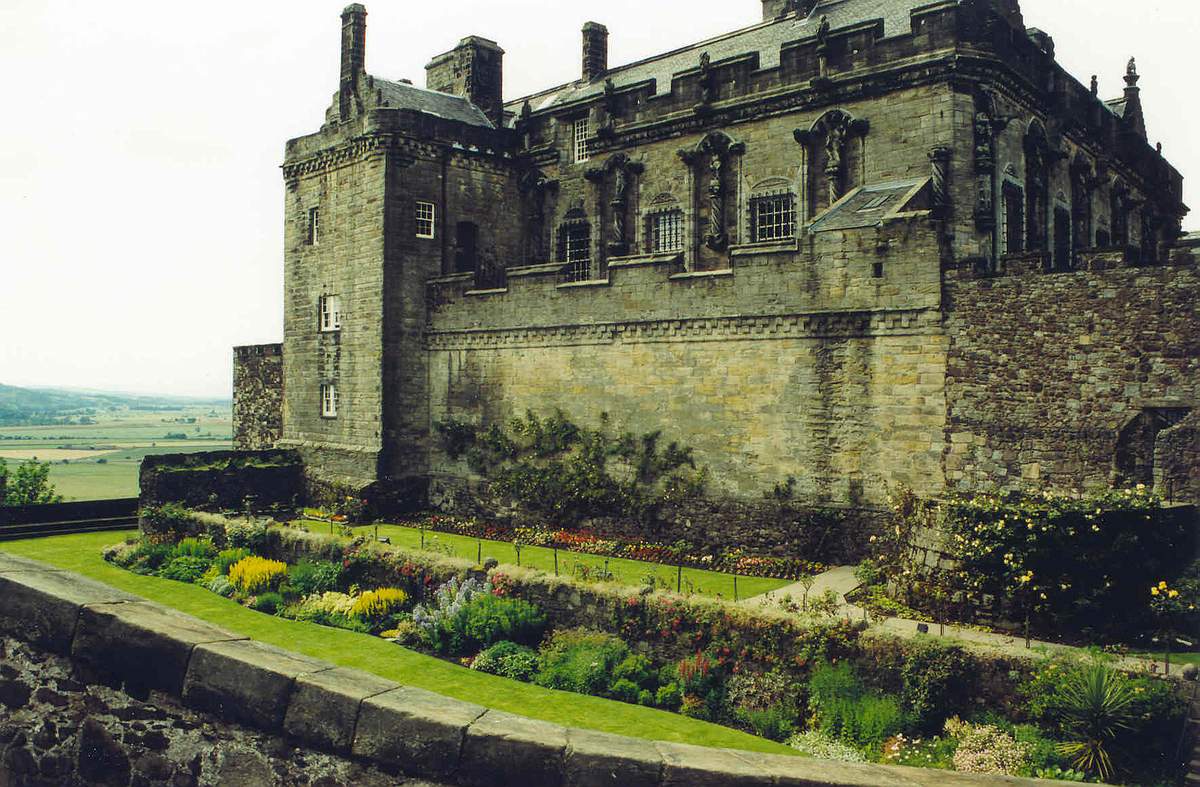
x=860, y=244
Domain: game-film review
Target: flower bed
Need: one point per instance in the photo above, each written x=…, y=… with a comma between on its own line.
x=730, y=561
x=860, y=696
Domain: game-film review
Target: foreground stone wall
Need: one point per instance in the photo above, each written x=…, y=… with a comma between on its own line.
x=150, y=650
x=257, y=396
x=1066, y=380
x=56, y=730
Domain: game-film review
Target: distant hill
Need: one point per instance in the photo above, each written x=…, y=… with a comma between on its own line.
x=37, y=406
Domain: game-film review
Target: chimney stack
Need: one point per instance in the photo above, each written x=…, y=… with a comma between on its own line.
x=474, y=70
x=595, y=51
x=354, y=57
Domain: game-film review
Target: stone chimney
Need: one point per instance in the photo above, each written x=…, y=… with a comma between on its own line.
x=474, y=70
x=354, y=57
x=595, y=51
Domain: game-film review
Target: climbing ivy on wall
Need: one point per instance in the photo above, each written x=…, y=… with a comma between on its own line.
x=552, y=467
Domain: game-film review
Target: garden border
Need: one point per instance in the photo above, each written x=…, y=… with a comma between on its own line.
x=120, y=638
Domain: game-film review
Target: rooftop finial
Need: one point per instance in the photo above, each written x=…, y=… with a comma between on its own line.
x=1095, y=85
x=1131, y=74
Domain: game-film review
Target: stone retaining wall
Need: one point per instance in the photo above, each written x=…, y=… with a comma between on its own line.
x=223, y=479
x=122, y=640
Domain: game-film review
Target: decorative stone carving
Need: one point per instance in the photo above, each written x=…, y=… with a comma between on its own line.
x=617, y=170
x=708, y=81
x=832, y=132
x=939, y=159
x=710, y=160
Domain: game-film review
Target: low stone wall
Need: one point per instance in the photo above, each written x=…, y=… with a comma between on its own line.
x=223, y=479
x=121, y=640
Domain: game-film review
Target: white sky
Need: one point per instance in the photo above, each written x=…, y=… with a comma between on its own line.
x=140, y=196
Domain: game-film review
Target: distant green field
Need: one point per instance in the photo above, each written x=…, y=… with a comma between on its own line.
x=100, y=461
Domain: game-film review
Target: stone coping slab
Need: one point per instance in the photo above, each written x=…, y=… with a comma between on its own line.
x=42, y=606
x=117, y=637
x=245, y=681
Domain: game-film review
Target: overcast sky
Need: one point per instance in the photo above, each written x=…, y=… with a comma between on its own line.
x=140, y=195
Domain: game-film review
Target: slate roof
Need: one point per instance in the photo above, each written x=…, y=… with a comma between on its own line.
x=401, y=95
x=766, y=39
x=1116, y=106
x=867, y=206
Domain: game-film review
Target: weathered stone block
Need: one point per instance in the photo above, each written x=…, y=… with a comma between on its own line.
x=698, y=766
x=501, y=748
x=144, y=645
x=11, y=562
x=597, y=759
x=413, y=730
x=324, y=706
x=245, y=681
x=42, y=606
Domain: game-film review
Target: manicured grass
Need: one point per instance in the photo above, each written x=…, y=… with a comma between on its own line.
x=81, y=554
x=630, y=572
x=1176, y=658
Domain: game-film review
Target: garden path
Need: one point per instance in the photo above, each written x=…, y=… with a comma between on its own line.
x=841, y=580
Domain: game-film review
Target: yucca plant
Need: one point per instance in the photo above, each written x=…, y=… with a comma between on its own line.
x=1095, y=710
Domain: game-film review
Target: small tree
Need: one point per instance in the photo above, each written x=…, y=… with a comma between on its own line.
x=28, y=485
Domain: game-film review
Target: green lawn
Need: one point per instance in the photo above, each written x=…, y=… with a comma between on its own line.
x=81, y=554
x=630, y=572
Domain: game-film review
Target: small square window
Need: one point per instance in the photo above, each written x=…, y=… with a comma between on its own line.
x=426, y=214
x=331, y=313
x=314, y=226
x=666, y=231
x=772, y=217
x=329, y=400
x=582, y=140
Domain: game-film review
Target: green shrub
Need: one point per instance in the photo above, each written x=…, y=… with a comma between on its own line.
x=638, y=670
x=508, y=660
x=222, y=587
x=170, y=521
x=489, y=619
x=149, y=556
x=270, y=603
x=185, y=569
x=624, y=690
x=646, y=698
x=937, y=682
x=226, y=558
x=314, y=576
x=580, y=660
x=196, y=547
x=668, y=697
x=777, y=723
x=819, y=744
x=250, y=534
x=844, y=709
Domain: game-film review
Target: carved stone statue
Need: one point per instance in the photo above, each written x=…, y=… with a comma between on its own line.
x=708, y=88
x=716, y=205
x=823, y=33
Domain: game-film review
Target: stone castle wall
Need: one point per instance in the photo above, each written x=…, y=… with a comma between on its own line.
x=742, y=366
x=1048, y=374
x=257, y=396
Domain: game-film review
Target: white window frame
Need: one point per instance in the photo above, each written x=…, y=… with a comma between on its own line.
x=314, y=226
x=665, y=231
x=425, y=213
x=329, y=400
x=777, y=232
x=581, y=139
x=329, y=309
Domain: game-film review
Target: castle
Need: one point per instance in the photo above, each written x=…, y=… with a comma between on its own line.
x=858, y=243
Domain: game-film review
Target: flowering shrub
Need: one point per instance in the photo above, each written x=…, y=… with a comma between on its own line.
x=255, y=574
x=376, y=605
x=1012, y=546
x=920, y=753
x=986, y=749
x=184, y=568
x=824, y=746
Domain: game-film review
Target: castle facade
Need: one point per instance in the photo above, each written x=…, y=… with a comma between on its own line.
x=858, y=244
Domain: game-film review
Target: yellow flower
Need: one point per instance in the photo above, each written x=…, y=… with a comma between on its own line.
x=1154, y=591
x=1173, y=593
x=1163, y=584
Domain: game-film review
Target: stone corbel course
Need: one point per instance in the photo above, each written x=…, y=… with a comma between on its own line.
x=122, y=640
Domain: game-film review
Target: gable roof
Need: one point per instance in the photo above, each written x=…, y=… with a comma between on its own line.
x=401, y=95
x=765, y=39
